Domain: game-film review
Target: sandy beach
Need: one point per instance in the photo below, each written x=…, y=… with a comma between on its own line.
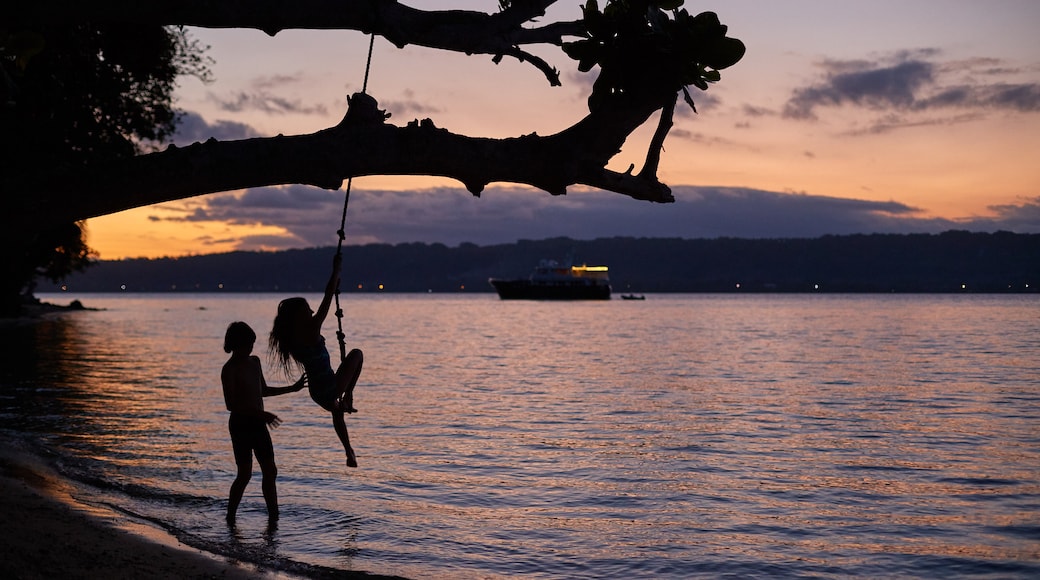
x=47, y=534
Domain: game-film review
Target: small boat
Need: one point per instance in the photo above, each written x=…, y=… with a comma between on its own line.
x=633, y=297
x=553, y=281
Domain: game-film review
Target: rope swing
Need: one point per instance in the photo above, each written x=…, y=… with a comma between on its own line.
x=340, y=336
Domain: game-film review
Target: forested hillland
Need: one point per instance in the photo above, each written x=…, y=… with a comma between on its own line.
x=954, y=261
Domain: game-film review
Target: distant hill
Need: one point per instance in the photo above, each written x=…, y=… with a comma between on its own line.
x=953, y=261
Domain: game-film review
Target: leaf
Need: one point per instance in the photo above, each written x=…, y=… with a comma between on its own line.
x=688, y=99
x=669, y=4
x=583, y=51
x=723, y=53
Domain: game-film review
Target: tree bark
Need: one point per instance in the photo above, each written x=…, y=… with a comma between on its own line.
x=466, y=31
x=361, y=144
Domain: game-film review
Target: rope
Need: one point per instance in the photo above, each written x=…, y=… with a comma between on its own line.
x=341, y=232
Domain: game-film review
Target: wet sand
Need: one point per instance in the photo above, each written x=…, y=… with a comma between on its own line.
x=46, y=534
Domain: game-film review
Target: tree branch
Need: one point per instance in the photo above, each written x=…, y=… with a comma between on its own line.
x=361, y=144
x=464, y=31
x=653, y=154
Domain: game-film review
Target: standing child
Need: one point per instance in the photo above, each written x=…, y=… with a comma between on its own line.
x=296, y=342
x=244, y=389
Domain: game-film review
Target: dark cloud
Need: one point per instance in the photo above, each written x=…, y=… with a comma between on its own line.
x=753, y=111
x=276, y=81
x=877, y=88
x=502, y=215
x=1024, y=217
x=193, y=128
x=916, y=83
x=265, y=102
x=408, y=106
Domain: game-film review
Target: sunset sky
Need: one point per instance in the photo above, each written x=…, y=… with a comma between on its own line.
x=843, y=117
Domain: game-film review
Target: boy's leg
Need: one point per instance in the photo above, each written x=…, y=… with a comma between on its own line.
x=269, y=487
x=238, y=487
x=243, y=450
x=269, y=471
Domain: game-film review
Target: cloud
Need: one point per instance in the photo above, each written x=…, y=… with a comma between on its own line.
x=914, y=83
x=193, y=128
x=877, y=88
x=1022, y=217
x=262, y=100
x=274, y=81
x=502, y=215
x=408, y=106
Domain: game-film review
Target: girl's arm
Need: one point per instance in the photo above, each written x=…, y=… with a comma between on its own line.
x=275, y=391
x=330, y=289
x=267, y=391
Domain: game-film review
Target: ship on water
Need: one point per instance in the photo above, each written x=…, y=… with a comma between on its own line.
x=554, y=281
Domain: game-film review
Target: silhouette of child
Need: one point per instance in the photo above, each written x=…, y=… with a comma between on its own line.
x=244, y=387
x=296, y=342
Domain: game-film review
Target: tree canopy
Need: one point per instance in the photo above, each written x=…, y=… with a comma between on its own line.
x=107, y=69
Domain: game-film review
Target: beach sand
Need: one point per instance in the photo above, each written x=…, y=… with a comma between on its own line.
x=46, y=534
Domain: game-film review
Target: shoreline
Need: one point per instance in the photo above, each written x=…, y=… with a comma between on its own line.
x=47, y=533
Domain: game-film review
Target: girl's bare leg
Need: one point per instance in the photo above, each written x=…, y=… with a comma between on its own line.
x=347, y=377
x=344, y=437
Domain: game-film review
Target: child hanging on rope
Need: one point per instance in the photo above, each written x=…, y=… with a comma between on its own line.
x=296, y=341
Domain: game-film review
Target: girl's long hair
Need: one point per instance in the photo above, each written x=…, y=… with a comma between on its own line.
x=286, y=333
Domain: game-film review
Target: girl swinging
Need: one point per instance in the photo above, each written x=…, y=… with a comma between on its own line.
x=296, y=342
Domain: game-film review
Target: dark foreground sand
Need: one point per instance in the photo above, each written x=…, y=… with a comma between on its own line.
x=45, y=534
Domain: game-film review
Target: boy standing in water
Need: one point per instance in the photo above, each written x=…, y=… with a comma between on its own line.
x=244, y=388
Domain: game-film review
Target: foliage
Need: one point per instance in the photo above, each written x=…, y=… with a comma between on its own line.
x=79, y=93
x=638, y=47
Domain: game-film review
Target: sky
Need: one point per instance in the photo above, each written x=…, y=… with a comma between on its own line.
x=880, y=116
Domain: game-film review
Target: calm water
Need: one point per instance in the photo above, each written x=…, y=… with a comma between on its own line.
x=684, y=436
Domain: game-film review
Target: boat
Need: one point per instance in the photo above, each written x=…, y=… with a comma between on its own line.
x=554, y=281
x=633, y=297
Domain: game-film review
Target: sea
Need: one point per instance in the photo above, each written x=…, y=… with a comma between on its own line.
x=680, y=436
